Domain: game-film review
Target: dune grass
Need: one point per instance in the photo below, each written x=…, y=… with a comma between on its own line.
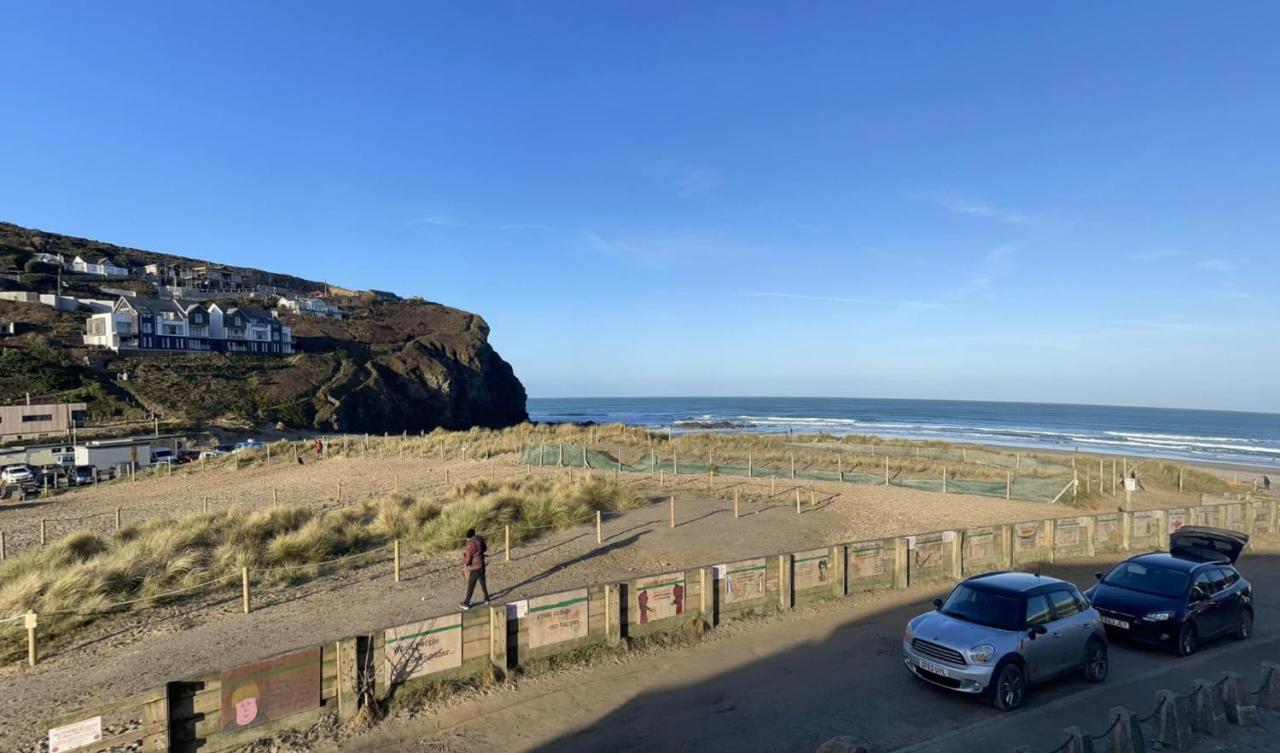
x=81, y=577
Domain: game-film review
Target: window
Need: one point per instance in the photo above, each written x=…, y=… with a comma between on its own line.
x=1064, y=603
x=1220, y=579
x=1037, y=610
x=1232, y=576
x=33, y=417
x=1203, y=583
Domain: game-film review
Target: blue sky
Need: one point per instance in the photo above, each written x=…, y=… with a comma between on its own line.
x=1070, y=203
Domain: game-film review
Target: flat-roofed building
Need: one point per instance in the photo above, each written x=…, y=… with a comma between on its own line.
x=36, y=421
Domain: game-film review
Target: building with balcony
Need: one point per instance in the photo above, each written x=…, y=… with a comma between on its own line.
x=154, y=325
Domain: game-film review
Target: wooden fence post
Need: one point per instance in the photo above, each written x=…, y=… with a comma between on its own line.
x=339, y=490
x=244, y=589
x=498, y=637
x=886, y=470
x=706, y=596
x=268, y=453
x=275, y=497
x=206, y=505
x=672, y=504
x=735, y=503
x=33, y=655
x=3, y=553
x=42, y=531
x=117, y=518
x=797, y=501
x=944, y=479
x=396, y=551
x=793, y=466
x=506, y=547
x=599, y=530
x=348, y=691
x=1008, y=484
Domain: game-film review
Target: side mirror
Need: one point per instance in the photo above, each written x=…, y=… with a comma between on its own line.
x=1038, y=630
x=1098, y=576
x=937, y=603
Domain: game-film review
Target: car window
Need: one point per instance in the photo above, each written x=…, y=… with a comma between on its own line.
x=1203, y=583
x=1232, y=576
x=1140, y=576
x=1220, y=579
x=1037, y=610
x=1064, y=604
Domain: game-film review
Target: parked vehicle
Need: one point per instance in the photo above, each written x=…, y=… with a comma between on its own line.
x=211, y=454
x=163, y=455
x=998, y=633
x=248, y=444
x=48, y=475
x=17, y=474
x=83, y=475
x=1180, y=599
x=187, y=456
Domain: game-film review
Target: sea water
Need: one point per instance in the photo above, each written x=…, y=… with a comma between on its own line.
x=1237, y=438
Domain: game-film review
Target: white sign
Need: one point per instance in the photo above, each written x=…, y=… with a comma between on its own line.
x=718, y=571
x=76, y=735
x=1131, y=484
x=948, y=536
x=517, y=609
x=911, y=542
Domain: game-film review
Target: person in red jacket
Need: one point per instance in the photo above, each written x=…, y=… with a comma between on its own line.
x=473, y=567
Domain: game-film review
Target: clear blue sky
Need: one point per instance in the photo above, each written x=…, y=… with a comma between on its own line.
x=1029, y=201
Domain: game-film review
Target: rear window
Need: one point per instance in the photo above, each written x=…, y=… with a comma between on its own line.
x=984, y=608
x=1064, y=603
x=1137, y=576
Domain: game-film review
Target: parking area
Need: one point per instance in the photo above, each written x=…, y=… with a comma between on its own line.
x=792, y=683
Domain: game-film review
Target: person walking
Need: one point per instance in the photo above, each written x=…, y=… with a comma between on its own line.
x=473, y=567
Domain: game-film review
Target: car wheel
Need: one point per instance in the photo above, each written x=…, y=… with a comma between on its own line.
x=1188, y=640
x=1096, y=662
x=1010, y=689
x=1245, y=630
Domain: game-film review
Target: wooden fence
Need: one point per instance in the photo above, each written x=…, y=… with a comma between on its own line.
x=221, y=710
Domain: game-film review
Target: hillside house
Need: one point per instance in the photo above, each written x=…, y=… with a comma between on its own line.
x=35, y=421
x=102, y=267
x=312, y=306
x=154, y=325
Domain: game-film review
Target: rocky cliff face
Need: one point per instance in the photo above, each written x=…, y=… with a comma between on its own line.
x=389, y=366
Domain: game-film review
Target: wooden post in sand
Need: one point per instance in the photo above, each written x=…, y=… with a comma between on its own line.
x=1179, y=478
x=793, y=466
x=506, y=543
x=797, y=500
x=244, y=589
x=944, y=479
x=672, y=505
x=735, y=506
x=206, y=505
x=275, y=497
x=3, y=553
x=749, y=469
x=886, y=470
x=1008, y=483
x=396, y=551
x=42, y=531
x=117, y=518
x=840, y=467
x=599, y=528
x=32, y=654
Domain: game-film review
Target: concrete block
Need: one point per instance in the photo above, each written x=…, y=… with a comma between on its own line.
x=1208, y=713
x=842, y=744
x=1172, y=723
x=1240, y=710
x=1126, y=732
x=1078, y=741
x=1269, y=694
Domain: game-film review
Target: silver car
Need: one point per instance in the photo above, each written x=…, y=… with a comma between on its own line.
x=998, y=633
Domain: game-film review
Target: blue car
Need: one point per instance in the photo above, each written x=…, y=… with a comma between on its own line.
x=1180, y=599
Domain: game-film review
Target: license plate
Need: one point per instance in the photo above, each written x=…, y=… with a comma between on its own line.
x=929, y=666
x=1113, y=622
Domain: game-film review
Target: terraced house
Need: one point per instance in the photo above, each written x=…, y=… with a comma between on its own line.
x=168, y=325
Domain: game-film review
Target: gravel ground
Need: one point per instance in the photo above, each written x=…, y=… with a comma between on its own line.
x=137, y=651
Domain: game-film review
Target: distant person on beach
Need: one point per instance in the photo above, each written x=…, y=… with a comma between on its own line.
x=319, y=448
x=473, y=567
x=1266, y=482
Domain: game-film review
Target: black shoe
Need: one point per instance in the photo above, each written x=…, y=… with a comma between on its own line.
x=463, y=606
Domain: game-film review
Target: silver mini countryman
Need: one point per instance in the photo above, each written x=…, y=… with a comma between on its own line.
x=998, y=633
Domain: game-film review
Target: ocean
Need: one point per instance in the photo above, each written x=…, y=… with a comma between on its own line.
x=1229, y=437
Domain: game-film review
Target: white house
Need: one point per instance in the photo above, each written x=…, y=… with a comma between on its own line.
x=150, y=324
x=103, y=267
x=313, y=306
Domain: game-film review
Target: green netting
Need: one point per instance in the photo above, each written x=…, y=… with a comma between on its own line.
x=1039, y=488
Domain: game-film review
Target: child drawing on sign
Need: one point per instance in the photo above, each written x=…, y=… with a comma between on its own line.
x=677, y=597
x=245, y=702
x=642, y=602
x=822, y=571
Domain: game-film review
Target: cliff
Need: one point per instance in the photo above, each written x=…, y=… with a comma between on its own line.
x=389, y=366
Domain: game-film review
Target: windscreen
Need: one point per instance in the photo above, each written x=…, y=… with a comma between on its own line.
x=1137, y=576
x=983, y=607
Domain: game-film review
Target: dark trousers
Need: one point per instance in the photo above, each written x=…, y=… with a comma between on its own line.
x=474, y=577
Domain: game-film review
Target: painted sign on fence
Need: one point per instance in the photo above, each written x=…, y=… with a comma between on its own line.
x=1232, y=517
x=867, y=560
x=555, y=618
x=980, y=544
x=422, y=648
x=1107, y=532
x=1070, y=532
x=75, y=735
x=744, y=581
x=270, y=690
x=1026, y=537
x=657, y=598
x=1144, y=526
x=927, y=552
x=1177, y=519
x=813, y=569
x=1262, y=517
